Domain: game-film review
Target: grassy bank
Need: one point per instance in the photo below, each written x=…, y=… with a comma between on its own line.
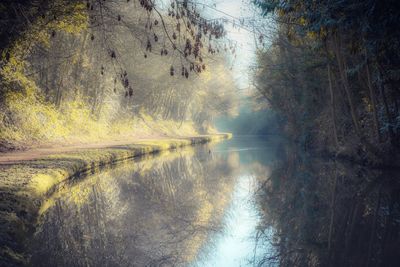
x=24, y=185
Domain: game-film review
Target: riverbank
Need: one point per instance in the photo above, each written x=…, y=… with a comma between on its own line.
x=25, y=184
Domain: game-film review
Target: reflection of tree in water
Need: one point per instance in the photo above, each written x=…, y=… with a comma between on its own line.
x=327, y=213
x=150, y=213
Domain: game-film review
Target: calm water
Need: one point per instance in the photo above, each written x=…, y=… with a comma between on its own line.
x=241, y=202
x=191, y=207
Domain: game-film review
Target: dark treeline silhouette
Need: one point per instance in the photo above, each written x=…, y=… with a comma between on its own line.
x=332, y=70
x=332, y=73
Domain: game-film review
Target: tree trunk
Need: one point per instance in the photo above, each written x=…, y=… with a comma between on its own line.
x=345, y=82
x=373, y=231
x=373, y=103
x=332, y=219
x=333, y=107
x=385, y=103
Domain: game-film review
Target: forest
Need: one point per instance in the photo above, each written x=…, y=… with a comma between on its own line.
x=106, y=107
x=78, y=71
x=333, y=71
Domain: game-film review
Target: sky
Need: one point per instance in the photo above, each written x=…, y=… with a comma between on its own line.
x=244, y=57
x=233, y=10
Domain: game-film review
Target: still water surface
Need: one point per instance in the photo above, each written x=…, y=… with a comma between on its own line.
x=191, y=207
x=240, y=202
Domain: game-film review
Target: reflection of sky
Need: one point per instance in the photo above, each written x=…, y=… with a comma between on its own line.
x=236, y=244
x=235, y=247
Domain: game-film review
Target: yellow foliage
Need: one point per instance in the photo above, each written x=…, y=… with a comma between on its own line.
x=302, y=21
x=13, y=70
x=75, y=21
x=41, y=183
x=34, y=121
x=27, y=119
x=31, y=118
x=312, y=35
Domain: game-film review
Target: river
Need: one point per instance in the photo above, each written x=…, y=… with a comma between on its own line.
x=240, y=202
x=195, y=206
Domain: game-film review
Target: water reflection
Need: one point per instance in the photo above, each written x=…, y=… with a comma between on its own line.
x=330, y=213
x=154, y=212
x=242, y=202
x=235, y=245
x=192, y=207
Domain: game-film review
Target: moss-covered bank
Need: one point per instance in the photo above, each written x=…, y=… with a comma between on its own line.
x=24, y=185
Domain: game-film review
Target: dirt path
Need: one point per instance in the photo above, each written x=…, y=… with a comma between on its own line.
x=37, y=153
